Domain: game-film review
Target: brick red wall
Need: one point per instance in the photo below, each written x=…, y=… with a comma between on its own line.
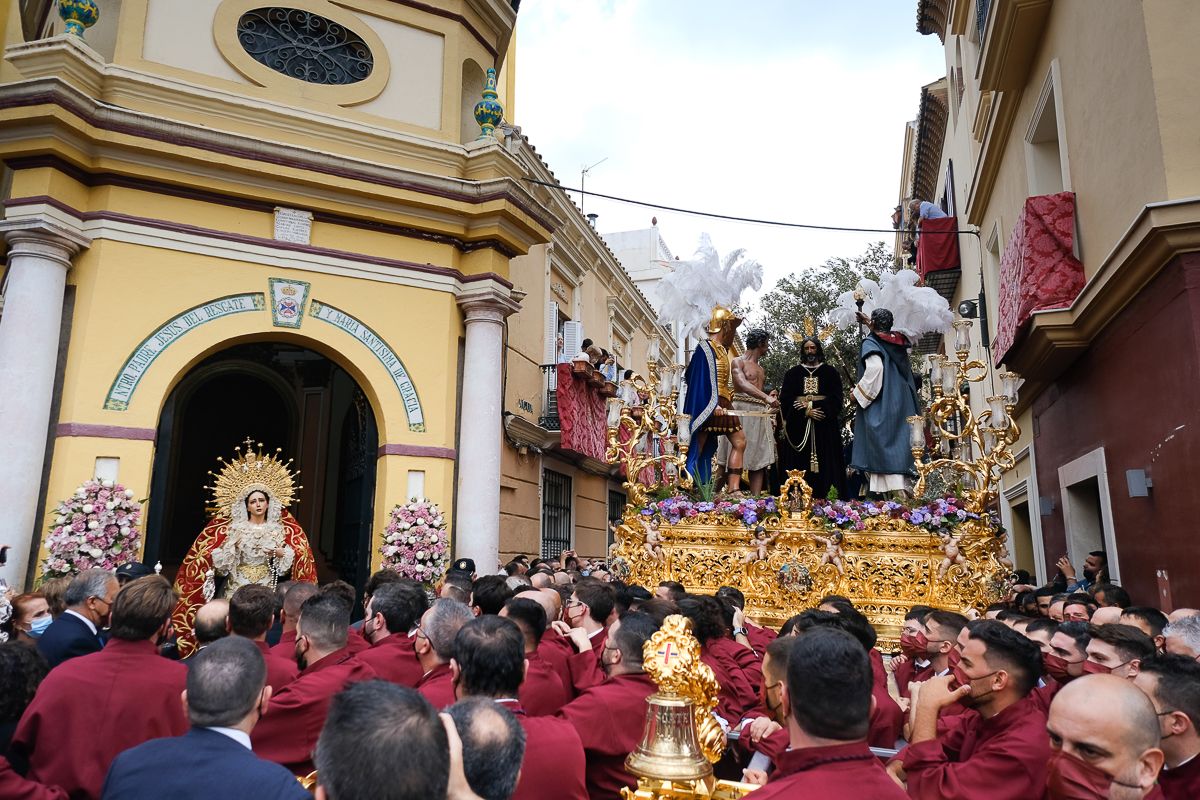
x=1136, y=393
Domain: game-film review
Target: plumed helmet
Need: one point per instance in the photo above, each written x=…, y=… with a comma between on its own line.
x=722, y=316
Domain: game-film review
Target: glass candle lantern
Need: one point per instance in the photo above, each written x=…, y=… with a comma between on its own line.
x=652, y=348
x=916, y=432
x=683, y=429
x=936, y=365
x=962, y=335
x=996, y=405
x=1010, y=383
x=613, y=408
x=949, y=378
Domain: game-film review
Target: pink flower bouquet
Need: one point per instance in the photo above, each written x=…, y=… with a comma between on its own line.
x=95, y=527
x=415, y=542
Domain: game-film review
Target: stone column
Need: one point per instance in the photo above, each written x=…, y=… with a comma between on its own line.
x=477, y=524
x=39, y=256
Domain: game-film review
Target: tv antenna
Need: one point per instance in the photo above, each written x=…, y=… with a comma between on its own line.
x=583, y=173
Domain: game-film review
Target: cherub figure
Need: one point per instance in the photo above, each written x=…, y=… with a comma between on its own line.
x=833, y=551
x=951, y=551
x=654, y=540
x=759, y=543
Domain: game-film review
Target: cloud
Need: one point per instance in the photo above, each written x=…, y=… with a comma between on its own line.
x=781, y=111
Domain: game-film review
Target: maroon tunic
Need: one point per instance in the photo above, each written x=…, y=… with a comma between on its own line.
x=1181, y=783
x=887, y=720
x=356, y=643
x=91, y=708
x=609, y=719
x=14, y=787
x=908, y=673
x=287, y=733
x=438, y=686
x=998, y=758
x=286, y=648
x=554, y=764
x=736, y=695
x=394, y=659
x=280, y=671
x=831, y=773
x=555, y=650
x=760, y=637
x=542, y=692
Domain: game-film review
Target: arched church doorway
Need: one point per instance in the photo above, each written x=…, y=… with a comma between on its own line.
x=284, y=396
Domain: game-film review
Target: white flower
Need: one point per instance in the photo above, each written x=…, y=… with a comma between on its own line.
x=129, y=494
x=88, y=508
x=106, y=484
x=95, y=552
x=124, y=530
x=61, y=519
x=81, y=492
x=110, y=505
x=93, y=525
x=421, y=554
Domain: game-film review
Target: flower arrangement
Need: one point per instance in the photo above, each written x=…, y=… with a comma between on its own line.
x=95, y=527
x=939, y=515
x=415, y=543
x=748, y=510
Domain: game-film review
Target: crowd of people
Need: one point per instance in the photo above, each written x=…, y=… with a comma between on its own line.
x=530, y=684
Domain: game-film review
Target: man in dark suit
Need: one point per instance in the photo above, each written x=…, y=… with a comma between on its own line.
x=89, y=598
x=227, y=693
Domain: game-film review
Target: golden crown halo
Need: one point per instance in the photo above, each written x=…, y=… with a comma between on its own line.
x=252, y=467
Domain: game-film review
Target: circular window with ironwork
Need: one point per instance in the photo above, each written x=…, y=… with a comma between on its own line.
x=309, y=47
x=304, y=45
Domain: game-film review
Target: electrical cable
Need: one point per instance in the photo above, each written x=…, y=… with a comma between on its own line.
x=732, y=218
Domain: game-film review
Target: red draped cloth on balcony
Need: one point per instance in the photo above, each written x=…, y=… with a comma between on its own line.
x=1038, y=271
x=647, y=476
x=581, y=415
x=937, y=247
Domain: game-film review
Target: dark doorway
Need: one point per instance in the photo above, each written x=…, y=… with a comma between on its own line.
x=286, y=397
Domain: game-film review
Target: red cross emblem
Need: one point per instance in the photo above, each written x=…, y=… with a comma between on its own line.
x=666, y=654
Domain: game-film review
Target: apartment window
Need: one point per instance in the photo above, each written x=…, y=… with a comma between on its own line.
x=981, y=15
x=1045, y=151
x=556, y=513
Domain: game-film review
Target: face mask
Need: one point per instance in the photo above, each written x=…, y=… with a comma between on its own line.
x=1092, y=668
x=921, y=642
x=910, y=646
x=39, y=625
x=961, y=678
x=1072, y=778
x=953, y=657
x=1056, y=667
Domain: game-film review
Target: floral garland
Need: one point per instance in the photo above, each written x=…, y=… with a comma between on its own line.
x=941, y=515
x=748, y=510
x=95, y=527
x=415, y=543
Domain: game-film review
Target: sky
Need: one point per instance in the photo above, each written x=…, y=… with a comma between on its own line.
x=790, y=110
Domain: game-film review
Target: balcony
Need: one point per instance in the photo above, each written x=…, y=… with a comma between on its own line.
x=572, y=421
x=1038, y=273
x=1010, y=32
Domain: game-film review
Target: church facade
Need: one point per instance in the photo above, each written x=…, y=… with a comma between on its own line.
x=228, y=221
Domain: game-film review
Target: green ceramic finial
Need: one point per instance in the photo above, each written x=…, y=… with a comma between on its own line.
x=488, y=111
x=78, y=15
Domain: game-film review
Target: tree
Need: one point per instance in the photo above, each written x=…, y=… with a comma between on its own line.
x=809, y=295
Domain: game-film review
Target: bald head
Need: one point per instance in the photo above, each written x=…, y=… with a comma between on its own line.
x=1180, y=613
x=541, y=580
x=1106, y=615
x=295, y=597
x=212, y=621
x=548, y=599
x=1110, y=723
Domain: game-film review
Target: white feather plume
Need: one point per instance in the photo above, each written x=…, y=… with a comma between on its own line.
x=917, y=310
x=689, y=292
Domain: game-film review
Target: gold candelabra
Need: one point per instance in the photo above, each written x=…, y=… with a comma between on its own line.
x=974, y=446
x=646, y=429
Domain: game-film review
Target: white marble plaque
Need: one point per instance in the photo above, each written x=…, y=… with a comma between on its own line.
x=293, y=225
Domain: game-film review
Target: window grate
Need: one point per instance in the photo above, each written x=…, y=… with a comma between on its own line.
x=305, y=46
x=556, y=513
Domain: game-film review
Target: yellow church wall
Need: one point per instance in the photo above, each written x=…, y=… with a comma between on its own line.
x=124, y=292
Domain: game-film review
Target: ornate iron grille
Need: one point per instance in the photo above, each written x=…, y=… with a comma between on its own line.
x=556, y=513
x=305, y=46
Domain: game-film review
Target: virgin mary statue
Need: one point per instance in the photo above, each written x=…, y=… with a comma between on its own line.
x=252, y=538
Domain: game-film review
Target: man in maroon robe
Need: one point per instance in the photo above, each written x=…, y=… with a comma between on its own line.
x=542, y=691
x=92, y=707
x=489, y=661
x=998, y=748
x=1104, y=741
x=14, y=787
x=434, y=644
x=251, y=611
x=610, y=717
x=295, y=597
x=287, y=733
x=1172, y=682
x=827, y=702
x=392, y=612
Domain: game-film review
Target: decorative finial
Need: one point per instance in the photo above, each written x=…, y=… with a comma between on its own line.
x=79, y=15
x=488, y=111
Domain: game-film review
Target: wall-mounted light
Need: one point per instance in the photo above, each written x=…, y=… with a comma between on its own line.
x=972, y=309
x=1139, y=482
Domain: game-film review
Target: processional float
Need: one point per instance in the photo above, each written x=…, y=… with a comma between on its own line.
x=944, y=548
